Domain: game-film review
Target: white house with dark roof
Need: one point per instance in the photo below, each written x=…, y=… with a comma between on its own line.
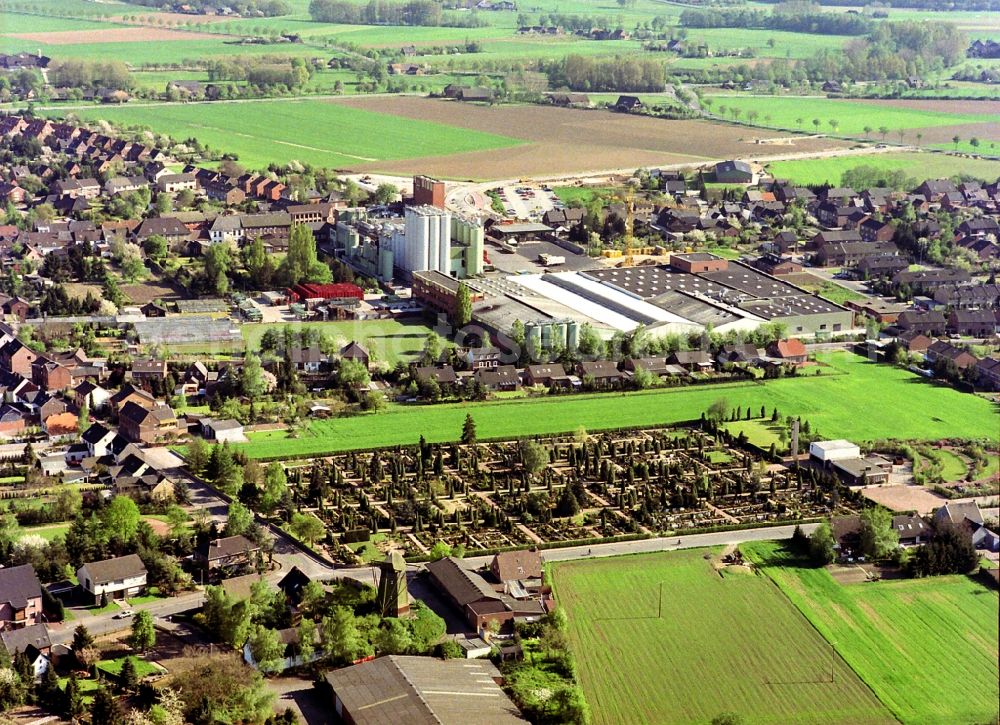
x=123, y=576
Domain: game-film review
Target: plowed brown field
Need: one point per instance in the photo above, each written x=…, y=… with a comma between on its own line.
x=563, y=141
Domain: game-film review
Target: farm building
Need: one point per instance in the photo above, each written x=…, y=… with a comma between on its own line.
x=836, y=450
x=733, y=172
x=421, y=691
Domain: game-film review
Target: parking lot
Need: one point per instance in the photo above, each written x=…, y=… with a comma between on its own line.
x=527, y=202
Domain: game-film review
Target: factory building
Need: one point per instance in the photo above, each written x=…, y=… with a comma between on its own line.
x=425, y=239
x=432, y=239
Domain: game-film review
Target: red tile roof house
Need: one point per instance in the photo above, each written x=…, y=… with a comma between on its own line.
x=790, y=350
x=20, y=597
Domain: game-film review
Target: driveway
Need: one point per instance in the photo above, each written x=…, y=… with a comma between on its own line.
x=302, y=697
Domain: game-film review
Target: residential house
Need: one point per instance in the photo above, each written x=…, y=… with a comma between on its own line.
x=628, y=104
x=141, y=425
x=291, y=654
x=20, y=597
x=123, y=576
x=599, y=373
x=930, y=323
x=691, y=360
x=148, y=368
x=34, y=642
x=128, y=393
x=500, y=378
x=479, y=602
x=227, y=554
x=988, y=373
x=941, y=350
x=443, y=375
x=547, y=375
x=789, y=350
x=172, y=183
x=912, y=530
x=974, y=323
x=517, y=565
x=354, y=351
x=15, y=357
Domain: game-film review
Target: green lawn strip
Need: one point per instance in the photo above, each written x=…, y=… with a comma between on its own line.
x=917, y=165
x=761, y=433
x=314, y=131
x=114, y=667
x=47, y=531
x=87, y=687
x=153, y=594
x=838, y=293
x=833, y=404
x=926, y=647
x=96, y=609
x=583, y=195
x=726, y=642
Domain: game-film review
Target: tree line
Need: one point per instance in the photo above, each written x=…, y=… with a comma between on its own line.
x=387, y=12
x=797, y=22
x=267, y=8
x=583, y=73
x=76, y=73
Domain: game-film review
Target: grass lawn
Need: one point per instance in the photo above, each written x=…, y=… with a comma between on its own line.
x=87, y=687
x=46, y=531
x=719, y=457
x=313, y=131
x=853, y=116
x=367, y=550
x=153, y=595
x=724, y=643
x=829, y=171
x=113, y=667
x=953, y=467
x=97, y=609
x=926, y=647
x=583, y=194
x=830, y=402
x=838, y=293
x=389, y=340
x=761, y=433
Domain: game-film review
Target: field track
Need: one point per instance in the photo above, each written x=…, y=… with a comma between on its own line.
x=113, y=35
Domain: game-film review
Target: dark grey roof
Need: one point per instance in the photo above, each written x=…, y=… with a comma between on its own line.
x=109, y=570
x=23, y=640
x=462, y=585
x=18, y=584
x=423, y=690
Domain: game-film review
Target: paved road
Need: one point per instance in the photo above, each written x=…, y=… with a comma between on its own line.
x=100, y=624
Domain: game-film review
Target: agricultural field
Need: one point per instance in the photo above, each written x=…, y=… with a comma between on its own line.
x=726, y=642
x=317, y=132
x=559, y=140
x=917, y=165
x=854, y=115
x=830, y=402
x=926, y=647
x=406, y=134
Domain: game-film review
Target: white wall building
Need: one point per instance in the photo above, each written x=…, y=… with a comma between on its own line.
x=836, y=450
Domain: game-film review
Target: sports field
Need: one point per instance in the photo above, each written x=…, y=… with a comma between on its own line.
x=724, y=643
x=926, y=647
x=317, y=132
x=917, y=165
x=854, y=398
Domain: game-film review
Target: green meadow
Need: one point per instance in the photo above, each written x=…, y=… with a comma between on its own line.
x=853, y=398
x=853, y=116
x=313, y=131
x=917, y=165
x=926, y=647
x=725, y=643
